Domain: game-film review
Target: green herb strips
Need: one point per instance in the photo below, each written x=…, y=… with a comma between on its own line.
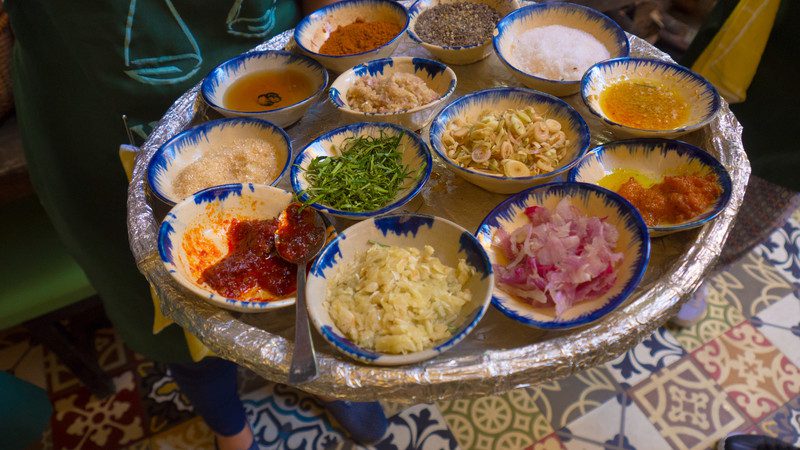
x=367, y=174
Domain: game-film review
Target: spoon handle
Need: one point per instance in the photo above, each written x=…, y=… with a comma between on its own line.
x=304, y=360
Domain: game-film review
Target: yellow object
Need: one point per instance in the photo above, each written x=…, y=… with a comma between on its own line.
x=198, y=351
x=618, y=177
x=731, y=59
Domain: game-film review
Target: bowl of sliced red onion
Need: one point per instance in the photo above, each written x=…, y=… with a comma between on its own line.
x=564, y=254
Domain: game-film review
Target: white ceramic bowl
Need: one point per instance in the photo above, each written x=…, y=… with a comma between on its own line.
x=436, y=75
x=224, y=75
x=208, y=210
x=457, y=55
x=416, y=156
x=315, y=29
x=189, y=146
x=570, y=15
x=471, y=106
x=451, y=242
x=633, y=243
x=701, y=96
x=656, y=158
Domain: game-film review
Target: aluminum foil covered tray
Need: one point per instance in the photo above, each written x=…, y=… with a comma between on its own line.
x=500, y=354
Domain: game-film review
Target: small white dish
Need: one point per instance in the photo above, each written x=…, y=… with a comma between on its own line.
x=461, y=55
x=210, y=211
x=655, y=159
x=314, y=29
x=217, y=82
x=450, y=241
x=569, y=15
x=437, y=76
x=416, y=156
x=471, y=106
x=633, y=243
x=188, y=146
x=701, y=96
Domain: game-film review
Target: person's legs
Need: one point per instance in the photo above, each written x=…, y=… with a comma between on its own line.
x=211, y=386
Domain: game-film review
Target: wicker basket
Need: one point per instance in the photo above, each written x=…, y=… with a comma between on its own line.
x=6, y=44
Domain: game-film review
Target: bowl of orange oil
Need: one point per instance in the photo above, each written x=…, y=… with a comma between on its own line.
x=271, y=85
x=638, y=97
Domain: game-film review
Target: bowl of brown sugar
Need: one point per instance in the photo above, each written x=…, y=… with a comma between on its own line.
x=350, y=32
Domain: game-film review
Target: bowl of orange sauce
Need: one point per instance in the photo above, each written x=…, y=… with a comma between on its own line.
x=675, y=186
x=639, y=97
x=271, y=85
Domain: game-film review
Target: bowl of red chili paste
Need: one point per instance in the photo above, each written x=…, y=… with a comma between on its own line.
x=219, y=244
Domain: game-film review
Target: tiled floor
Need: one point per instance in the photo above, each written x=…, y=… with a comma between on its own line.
x=736, y=370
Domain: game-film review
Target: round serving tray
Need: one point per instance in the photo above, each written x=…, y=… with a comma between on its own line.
x=500, y=354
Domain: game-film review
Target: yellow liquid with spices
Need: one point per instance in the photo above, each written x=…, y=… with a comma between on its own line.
x=644, y=104
x=618, y=177
x=266, y=90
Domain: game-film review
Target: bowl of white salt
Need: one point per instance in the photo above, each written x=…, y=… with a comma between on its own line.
x=549, y=46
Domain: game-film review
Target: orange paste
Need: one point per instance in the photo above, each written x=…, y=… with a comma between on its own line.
x=645, y=105
x=674, y=200
x=358, y=37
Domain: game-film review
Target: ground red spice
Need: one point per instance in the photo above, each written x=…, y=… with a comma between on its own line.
x=674, y=200
x=359, y=36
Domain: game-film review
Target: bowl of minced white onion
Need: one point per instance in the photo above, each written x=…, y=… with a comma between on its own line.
x=549, y=46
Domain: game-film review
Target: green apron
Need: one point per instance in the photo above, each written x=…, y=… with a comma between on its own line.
x=78, y=67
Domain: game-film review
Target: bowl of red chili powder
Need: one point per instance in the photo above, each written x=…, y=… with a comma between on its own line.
x=350, y=32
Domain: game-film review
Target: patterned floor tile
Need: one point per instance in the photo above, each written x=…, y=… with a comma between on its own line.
x=617, y=423
x=422, y=427
x=82, y=421
x=163, y=403
x=192, y=434
x=654, y=353
x=563, y=401
x=496, y=422
x=724, y=312
x=782, y=249
x=780, y=323
x=550, y=442
x=784, y=424
x=756, y=376
x=689, y=409
x=757, y=284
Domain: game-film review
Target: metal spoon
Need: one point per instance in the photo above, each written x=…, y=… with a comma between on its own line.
x=300, y=249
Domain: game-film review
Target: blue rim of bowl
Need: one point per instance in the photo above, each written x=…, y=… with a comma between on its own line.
x=371, y=356
x=716, y=104
x=506, y=21
x=324, y=11
x=583, y=132
x=627, y=210
x=681, y=148
x=443, y=67
x=204, y=87
x=207, y=126
x=418, y=8
x=294, y=173
x=166, y=228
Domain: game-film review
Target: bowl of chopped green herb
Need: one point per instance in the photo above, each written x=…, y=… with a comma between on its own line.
x=457, y=31
x=361, y=170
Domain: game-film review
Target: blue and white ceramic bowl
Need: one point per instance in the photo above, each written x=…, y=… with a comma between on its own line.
x=206, y=216
x=316, y=27
x=467, y=54
x=224, y=75
x=450, y=241
x=436, y=75
x=655, y=159
x=701, y=96
x=633, y=243
x=471, y=106
x=416, y=156
x=189, y=146
x=569, y=15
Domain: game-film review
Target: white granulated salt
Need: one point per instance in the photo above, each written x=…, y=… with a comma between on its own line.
x=556, y=52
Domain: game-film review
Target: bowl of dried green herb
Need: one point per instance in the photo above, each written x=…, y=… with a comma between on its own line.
x=457, y=31
x=361, y=170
